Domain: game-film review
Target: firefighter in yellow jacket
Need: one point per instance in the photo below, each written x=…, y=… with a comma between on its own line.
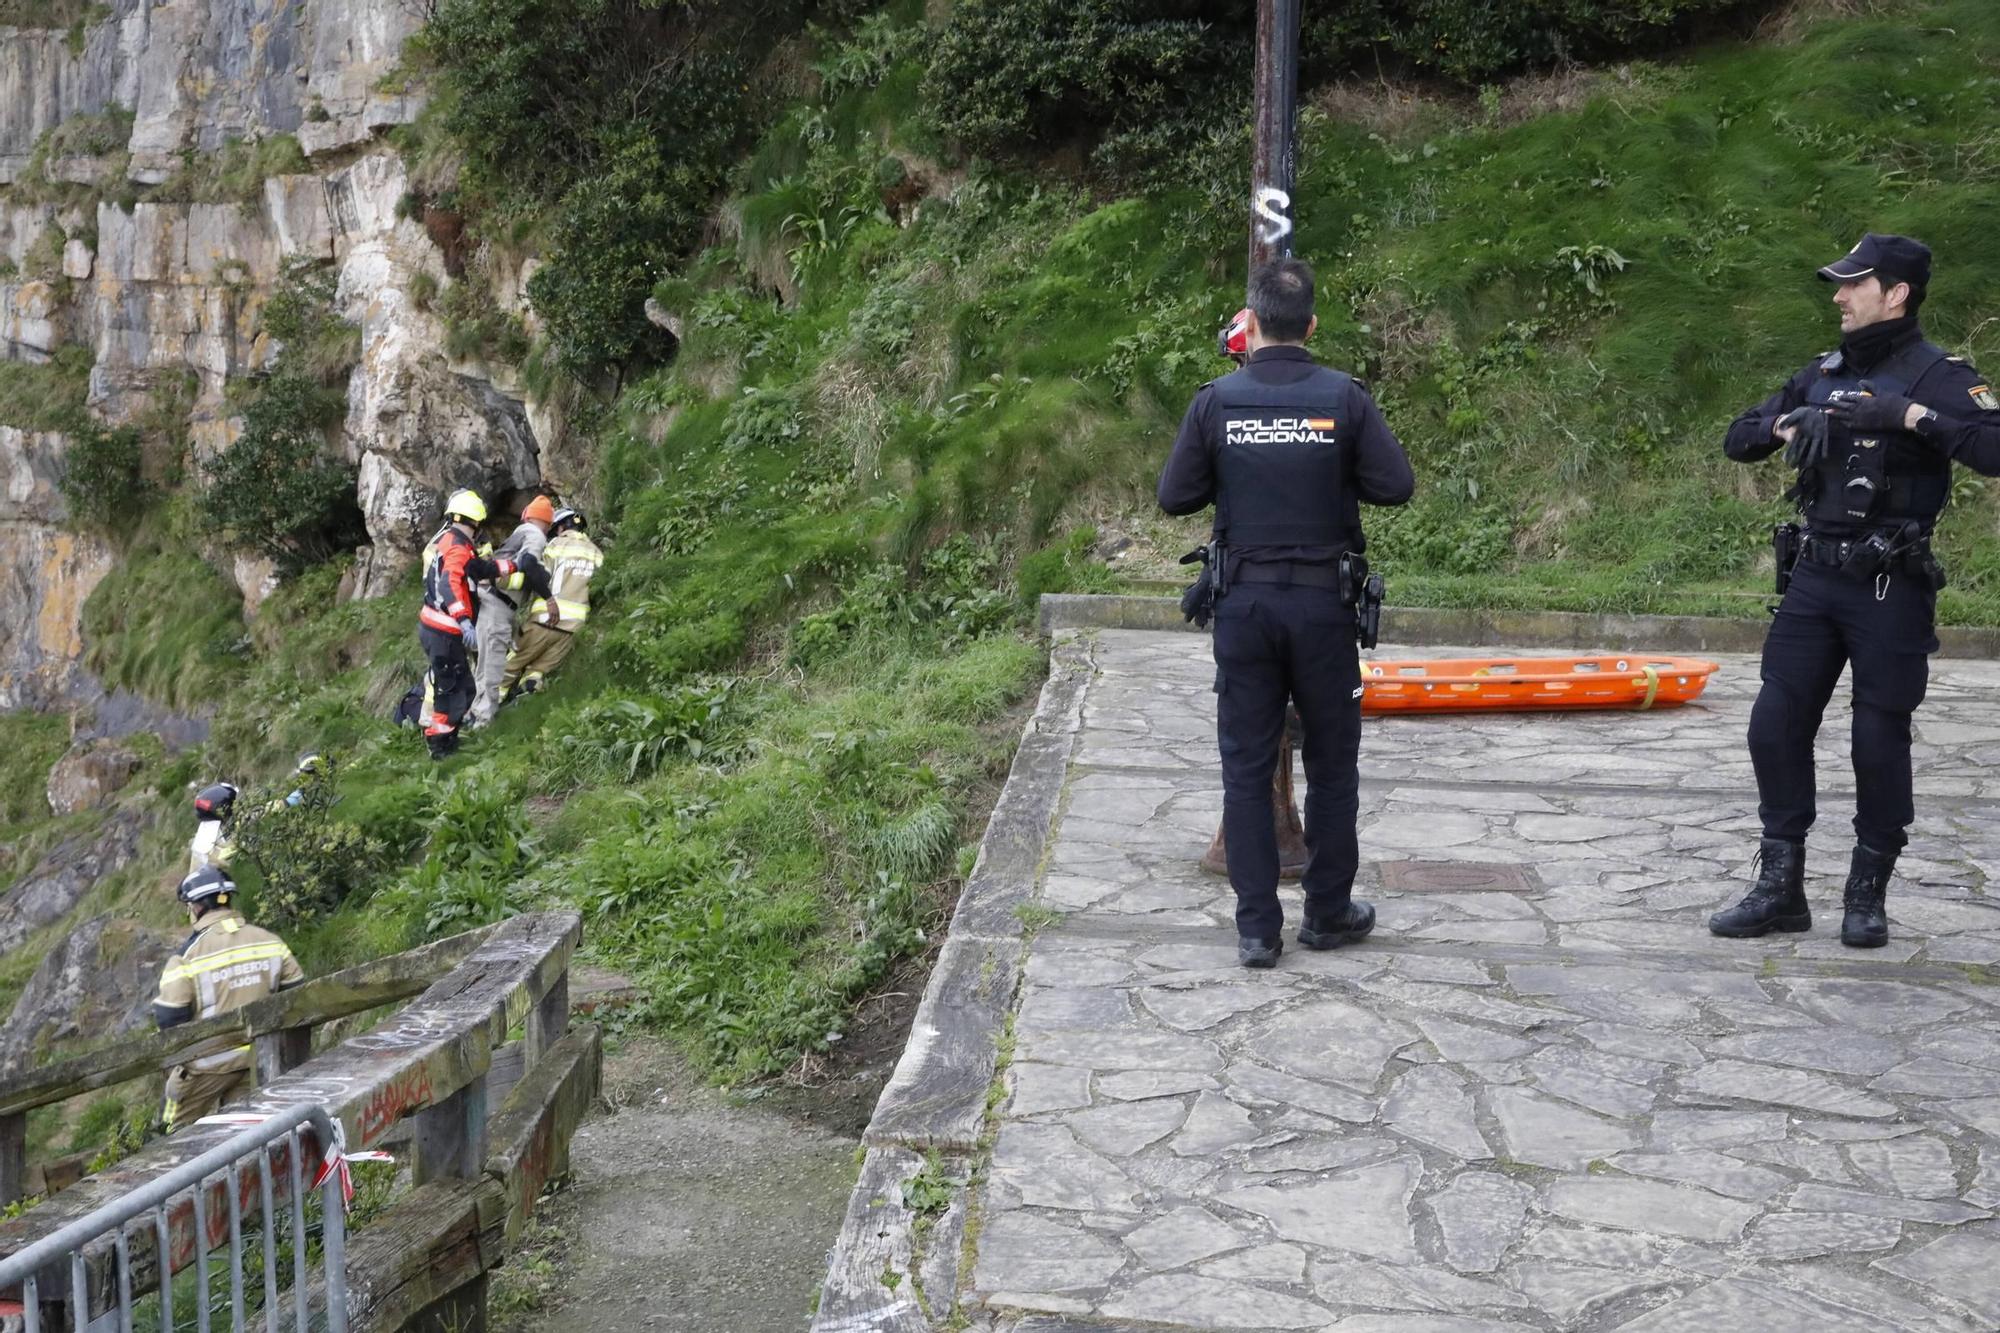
x=571, y=559
x=223, y=966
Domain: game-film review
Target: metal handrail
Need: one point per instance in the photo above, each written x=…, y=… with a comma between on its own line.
x=26, y=1264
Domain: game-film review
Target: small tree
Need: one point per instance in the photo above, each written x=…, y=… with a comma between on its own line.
x=309, y=860
x=102, y=481
x=275, y=489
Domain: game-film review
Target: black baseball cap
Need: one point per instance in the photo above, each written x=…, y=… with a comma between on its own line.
x=1891, y=258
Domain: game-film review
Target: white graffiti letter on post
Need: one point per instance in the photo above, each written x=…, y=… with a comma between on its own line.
x=1274, y=206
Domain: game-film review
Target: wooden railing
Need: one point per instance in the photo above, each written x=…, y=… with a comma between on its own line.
x=490, y=1113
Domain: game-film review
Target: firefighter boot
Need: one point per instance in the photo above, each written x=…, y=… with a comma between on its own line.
x=1866, y=924
x=1777, y=901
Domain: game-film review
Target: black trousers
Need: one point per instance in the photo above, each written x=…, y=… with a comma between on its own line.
x=1828, y=620
x=451, y=688
x=1273, y=644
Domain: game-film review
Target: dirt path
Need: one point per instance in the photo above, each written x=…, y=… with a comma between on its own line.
x=695, y=1211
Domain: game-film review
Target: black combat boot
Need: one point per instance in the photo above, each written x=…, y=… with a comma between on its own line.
x=1253, y=952
x=1866, y=925
x=1350, y=924
x=1778, y=899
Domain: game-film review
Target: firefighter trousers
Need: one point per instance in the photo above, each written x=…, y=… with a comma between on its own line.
x=192, y=1094
x=540, y=651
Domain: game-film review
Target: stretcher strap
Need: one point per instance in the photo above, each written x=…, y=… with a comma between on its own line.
x=1652, y=687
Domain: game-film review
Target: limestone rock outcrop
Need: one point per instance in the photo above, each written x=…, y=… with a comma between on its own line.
x=99, y=982
x=60, y=880
x=46, y=573
x=200, y=73
x=168, y=296
x=89, y=775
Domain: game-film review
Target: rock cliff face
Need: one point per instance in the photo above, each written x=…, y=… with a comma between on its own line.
x=199, y=73
x=160, y=291
x=98, y=982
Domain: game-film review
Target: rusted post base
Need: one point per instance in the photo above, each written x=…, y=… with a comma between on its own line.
x=1284, y=812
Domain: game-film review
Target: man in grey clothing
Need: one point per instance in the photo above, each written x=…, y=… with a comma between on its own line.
x=497, y=603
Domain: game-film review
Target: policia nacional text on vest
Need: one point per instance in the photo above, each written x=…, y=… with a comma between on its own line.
x=1286, y=462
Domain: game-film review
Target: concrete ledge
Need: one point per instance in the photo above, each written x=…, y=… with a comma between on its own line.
x=1516, y=629
x=890, y=1271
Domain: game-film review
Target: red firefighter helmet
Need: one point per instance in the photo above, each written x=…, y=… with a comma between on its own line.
x=1233, y=338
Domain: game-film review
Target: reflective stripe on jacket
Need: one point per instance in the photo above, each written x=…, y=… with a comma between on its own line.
x=451, y=566
x=224, y=965
x=572, y=559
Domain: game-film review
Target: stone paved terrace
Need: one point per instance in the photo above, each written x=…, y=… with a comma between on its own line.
x=1561, y=1106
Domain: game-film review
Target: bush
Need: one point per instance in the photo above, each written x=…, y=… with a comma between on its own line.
x=613, y=237
x=102, y=481
x=480, y=848
x=1145, y=81
x=623, y=117
x=310, y=861
x=627, y=737
x=275, y=489
x=312, y=338
x=1142, y=76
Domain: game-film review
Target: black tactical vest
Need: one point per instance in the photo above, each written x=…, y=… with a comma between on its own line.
x=1283, y=460
x=1876, y=480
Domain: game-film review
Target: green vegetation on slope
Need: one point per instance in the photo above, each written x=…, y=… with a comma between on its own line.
x=904, y=388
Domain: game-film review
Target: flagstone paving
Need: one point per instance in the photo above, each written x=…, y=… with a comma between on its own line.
x=1565, y=1106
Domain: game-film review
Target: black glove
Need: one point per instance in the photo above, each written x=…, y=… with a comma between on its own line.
x=1878, y=414
x=1808, y=446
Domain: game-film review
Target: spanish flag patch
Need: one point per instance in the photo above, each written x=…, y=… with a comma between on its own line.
x=1983, y=395
x=1328, y=423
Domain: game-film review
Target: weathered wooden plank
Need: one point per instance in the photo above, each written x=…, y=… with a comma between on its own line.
x=433, y=1048
x=13, y=1157
x=529, y=1136
x=510, y=1062
x=463, y=1311
x=549, y=1019
x=281, y=1052
x=435, y=1241
x=937, y=1096
x=450, y=1138
x=348, y=991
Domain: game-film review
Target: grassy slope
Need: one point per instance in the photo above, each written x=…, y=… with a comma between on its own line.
x=761, y=775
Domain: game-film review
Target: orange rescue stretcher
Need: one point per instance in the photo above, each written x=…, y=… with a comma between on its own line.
x=1525, y=683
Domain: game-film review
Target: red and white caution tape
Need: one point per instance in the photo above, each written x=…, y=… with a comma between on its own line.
x=336, y=1157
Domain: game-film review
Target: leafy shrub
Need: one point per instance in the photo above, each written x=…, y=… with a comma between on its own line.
x=1144, y=75
x=275, y=488
x=475, y=325
x=1145, y=81
x=480, y=848
x=623, y=117
x=312, y=338
x=626, y=737
x=310, y=861
x=767, y=418
x=102, y=482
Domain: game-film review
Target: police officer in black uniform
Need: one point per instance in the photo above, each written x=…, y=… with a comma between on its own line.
x=1873, y=428
x=1285, y=449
